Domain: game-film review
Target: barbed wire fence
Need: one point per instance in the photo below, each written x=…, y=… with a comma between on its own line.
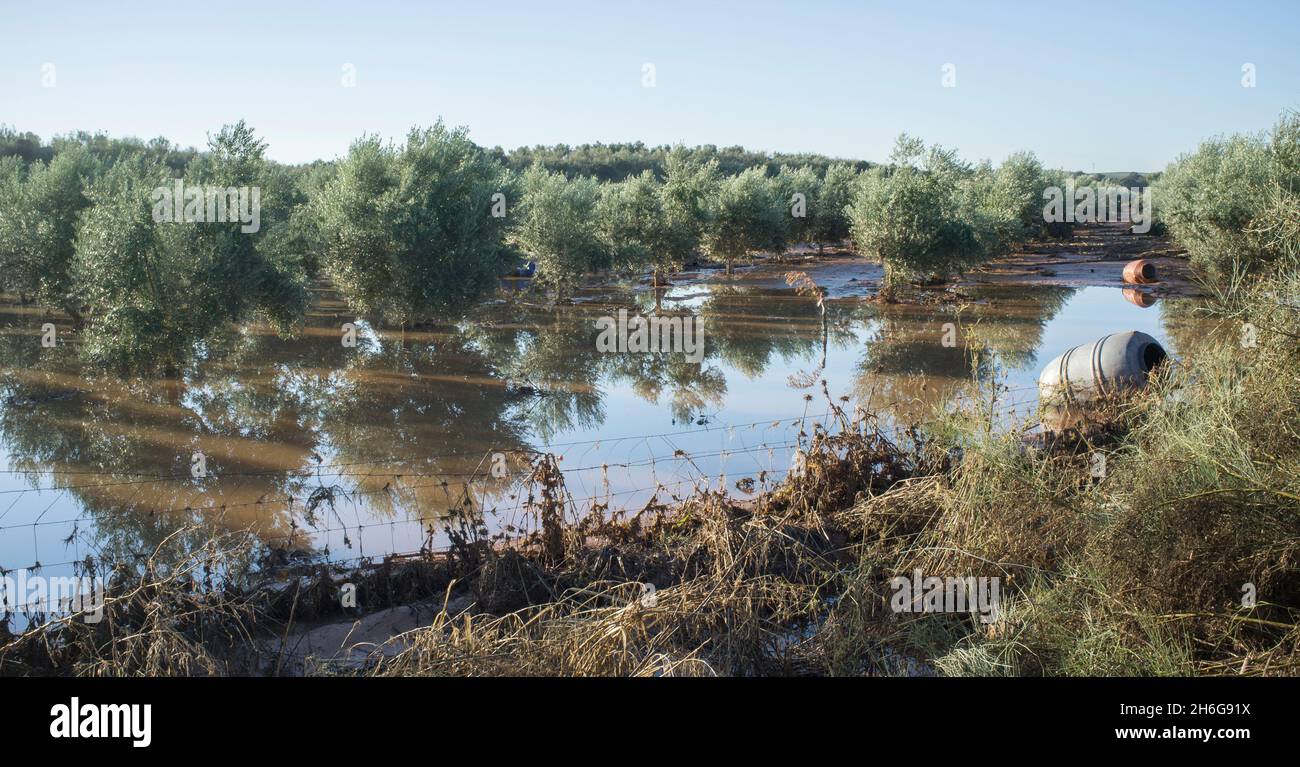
x=415, y=525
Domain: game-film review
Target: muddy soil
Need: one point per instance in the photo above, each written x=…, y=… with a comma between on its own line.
x=1093, y=256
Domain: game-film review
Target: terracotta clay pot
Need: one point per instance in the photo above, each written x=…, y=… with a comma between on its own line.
x=1140, y=272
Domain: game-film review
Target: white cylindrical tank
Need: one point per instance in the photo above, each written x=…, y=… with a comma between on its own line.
x=1112, y=364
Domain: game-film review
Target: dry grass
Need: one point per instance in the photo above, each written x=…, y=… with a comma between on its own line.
x=167, y=617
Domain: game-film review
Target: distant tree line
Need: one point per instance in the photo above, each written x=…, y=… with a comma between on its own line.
x=29, y=148
x=616, y=162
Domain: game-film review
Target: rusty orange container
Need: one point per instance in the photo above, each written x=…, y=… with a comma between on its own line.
x=1140, y=272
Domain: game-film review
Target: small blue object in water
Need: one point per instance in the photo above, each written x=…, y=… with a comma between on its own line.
x=527, y=271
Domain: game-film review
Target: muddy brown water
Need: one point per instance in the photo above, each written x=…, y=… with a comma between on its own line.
x=345, y=453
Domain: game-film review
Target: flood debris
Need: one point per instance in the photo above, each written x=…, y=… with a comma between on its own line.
x=1111, y=366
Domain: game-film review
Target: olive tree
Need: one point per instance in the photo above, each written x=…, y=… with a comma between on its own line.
x=38, y=226
x=556, y=224
x=750, y=215
x=242, y=266
x=1232, y=203
x=413, y=232
x=689, y=193
x=992, y=210
x=11, y=185
x=632, y=224
x=1020, y=183
x=800, y=192
x=829, y=218
x=156, y=286
x=910, y=216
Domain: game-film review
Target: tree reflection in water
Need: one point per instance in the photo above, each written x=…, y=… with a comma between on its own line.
x=403, y=426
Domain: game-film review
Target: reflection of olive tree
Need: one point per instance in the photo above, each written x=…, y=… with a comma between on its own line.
x=1010, y=323
x=124, y=450
x=692, y=387
x=908, y=368
x=747, y=328
x=410, y=412
x=549, y=361
x=20, y=342
x=1189, y=325
x=263, y=411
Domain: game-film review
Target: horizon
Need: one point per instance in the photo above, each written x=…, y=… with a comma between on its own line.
x=46, y=140
x=1153, y=89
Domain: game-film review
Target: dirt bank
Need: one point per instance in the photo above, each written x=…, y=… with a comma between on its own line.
x=1093, y=255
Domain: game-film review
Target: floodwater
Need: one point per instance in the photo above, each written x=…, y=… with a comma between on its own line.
x=348, y=452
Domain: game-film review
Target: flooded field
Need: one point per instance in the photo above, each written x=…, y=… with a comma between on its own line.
x=349, y=452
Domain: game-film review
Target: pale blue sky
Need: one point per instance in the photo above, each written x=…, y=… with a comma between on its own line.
x=1104, y=86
